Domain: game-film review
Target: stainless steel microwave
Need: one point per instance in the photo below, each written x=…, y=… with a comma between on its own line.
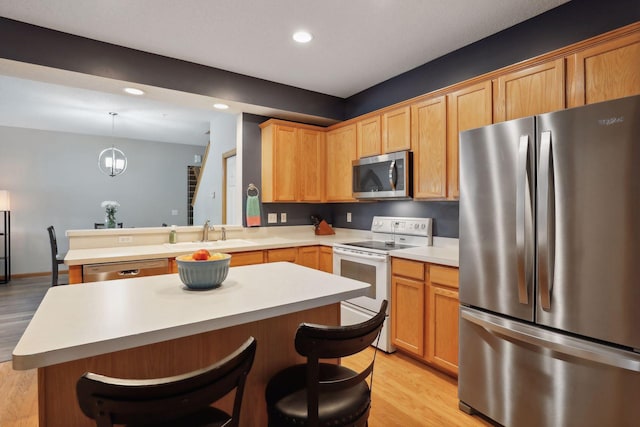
x=387, y=176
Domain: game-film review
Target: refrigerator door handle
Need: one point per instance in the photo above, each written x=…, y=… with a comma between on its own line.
x=524, y=221
x=553, y=341
x=545, y=230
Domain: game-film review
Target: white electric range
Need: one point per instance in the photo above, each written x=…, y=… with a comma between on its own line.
x=369, y=261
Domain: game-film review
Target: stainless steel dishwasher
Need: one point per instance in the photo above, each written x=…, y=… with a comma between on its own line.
x=124, y=269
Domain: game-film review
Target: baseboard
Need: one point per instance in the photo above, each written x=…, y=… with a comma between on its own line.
x=39, y=274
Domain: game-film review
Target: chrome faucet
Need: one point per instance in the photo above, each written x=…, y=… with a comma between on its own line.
x=223, y=233
x=205, y=231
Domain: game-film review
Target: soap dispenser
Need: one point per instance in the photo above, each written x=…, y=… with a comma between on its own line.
x=173, y=235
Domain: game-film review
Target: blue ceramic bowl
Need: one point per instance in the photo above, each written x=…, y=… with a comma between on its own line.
x=207, y=274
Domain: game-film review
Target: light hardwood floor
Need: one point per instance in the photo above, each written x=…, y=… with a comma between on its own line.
x=406, y=393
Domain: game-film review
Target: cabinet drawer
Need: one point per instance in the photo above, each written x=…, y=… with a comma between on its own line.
x=246, y=258
x=447, y=276
x=407, y=268
x=288, y=254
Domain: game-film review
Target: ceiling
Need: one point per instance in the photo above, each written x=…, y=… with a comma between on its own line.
x=357, y=44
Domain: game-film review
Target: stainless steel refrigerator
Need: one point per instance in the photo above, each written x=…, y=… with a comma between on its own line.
x=550, y=268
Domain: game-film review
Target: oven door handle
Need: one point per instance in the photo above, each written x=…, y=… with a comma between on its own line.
x=368, y=256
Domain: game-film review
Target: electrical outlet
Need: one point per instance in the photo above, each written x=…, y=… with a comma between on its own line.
x=283, y=217
x=348, y=216
x=272, y=218
x=125, y=239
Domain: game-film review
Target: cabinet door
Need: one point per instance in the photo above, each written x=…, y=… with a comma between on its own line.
x=341, y=152
x=369, y=137
x=606, y=71
x=311, y=152
x=533, y=90
x=467, y=108
x=279, y=157
x=285, y=254
x=326, y=259
x=246, y=258
x=308, y=256
x=429, y=145
x=443, y=303
x=396, y=130
x=408, y=314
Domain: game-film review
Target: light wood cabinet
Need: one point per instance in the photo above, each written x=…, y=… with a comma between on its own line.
x=529, y=91
x=341, y=152
x=309, y=256
x=284, y=254
x=292, y=159
x=326, y=259
x=424, y=312
x=246, y=258
x=311, y=153
x=467, y=108
x=369, y=136
x=408, y=306
x=442, y=318
x=429, y=145
x=605, y=71
x=396, y=130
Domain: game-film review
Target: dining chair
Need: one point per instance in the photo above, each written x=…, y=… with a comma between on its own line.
x=56, y=258
x=98, y=225
x=325, y=394
x=181, y=400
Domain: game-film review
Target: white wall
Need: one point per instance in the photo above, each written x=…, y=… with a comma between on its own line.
x=54, y=180
x=208, y=202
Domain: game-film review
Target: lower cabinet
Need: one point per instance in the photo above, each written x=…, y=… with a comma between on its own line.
x=325, y=262
x=284, y=254
x=308, y=256
x=424, y=312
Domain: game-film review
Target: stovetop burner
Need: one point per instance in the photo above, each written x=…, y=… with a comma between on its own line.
x=379, y=245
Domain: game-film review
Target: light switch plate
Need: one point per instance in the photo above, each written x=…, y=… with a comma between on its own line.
x=272, y=218
x=348, y=216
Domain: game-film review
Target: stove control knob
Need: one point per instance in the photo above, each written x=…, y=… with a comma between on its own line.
x=423, y=226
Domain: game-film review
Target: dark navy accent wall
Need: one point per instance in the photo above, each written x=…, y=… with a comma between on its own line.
x=37, y=45
x=569, y=23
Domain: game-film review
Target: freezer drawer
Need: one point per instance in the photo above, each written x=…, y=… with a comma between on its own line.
x=522, y=375
x=124, y=270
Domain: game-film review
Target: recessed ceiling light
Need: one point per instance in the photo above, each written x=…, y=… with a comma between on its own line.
x=302, y=36
x=221, y=106
x=133, y=91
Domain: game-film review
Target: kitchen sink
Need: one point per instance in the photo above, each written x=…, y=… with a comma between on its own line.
x=217, y=244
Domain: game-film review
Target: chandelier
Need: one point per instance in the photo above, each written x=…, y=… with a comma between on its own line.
x=112, y=161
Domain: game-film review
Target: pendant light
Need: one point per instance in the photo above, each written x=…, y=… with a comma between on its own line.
x=112, y=161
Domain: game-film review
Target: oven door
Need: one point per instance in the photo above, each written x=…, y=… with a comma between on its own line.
x=366, y=267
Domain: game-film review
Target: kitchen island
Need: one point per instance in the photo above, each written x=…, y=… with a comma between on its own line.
x=154, y=327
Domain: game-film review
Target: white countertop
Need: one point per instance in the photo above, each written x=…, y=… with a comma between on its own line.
x=118, y=253
x=75, y=322
x=444, y=250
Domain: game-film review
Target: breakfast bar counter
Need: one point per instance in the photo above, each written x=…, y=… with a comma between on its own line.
x=152, y=327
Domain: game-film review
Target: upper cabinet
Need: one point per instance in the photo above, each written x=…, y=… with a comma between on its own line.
x=369, y=136
x=292, y=158
x=396, y=129
x=608, y=70
x=341, y=152
x=311, y=155
x=429, y=145
x=467, y=108
x=529, y=91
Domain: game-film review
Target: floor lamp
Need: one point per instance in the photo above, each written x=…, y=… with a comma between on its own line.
x=5, y=235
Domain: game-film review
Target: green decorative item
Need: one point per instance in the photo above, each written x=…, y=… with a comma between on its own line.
x=111, y=207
